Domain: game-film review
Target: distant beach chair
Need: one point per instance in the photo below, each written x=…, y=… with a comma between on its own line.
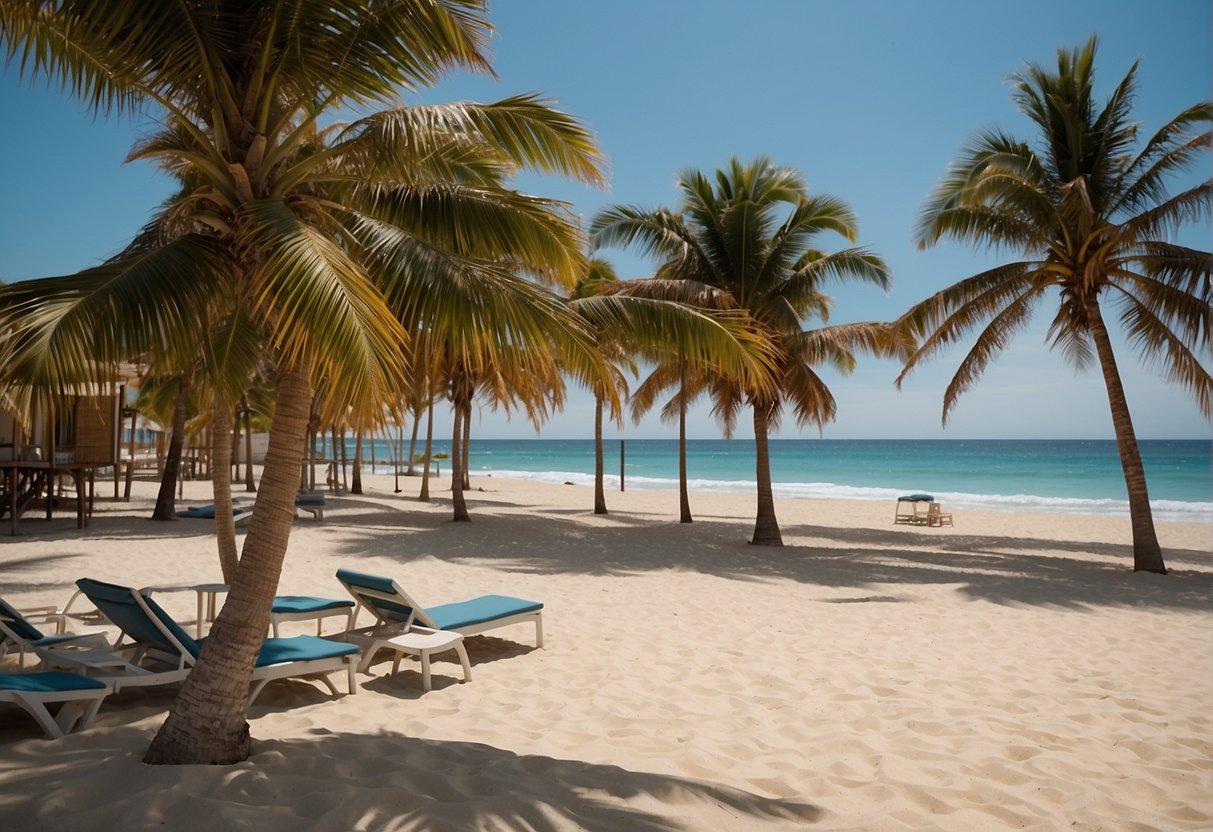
x=207, y=512
x=907, y=512
x=79, y=698
x=307, y=607
x=396, y=613
x=936, y=517
x=163, y=653
x=311, y=503
x=17, y=630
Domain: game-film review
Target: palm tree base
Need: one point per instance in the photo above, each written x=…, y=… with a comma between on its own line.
x=767, y=540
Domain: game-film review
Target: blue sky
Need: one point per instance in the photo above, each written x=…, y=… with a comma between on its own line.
x=870, y=99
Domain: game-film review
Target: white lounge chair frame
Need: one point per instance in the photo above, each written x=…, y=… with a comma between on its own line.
x=76, y=711
x=378, y=636
x=131, y=673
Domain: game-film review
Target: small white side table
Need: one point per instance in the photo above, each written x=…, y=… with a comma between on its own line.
x=424, y=643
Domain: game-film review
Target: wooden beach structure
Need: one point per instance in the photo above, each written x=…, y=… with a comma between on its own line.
x=53, y=444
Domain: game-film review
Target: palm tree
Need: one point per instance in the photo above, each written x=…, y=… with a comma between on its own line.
x=301, y=225
x=1089, y=209
x=673, y=369
x=599, y=276
x=753, y=235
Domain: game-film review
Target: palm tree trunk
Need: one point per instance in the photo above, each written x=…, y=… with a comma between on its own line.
x=1147, y=554
x=166, y=498
x=235, y=469
x=356, y=476
x=460, y=506
x=599, y=492
x=221, y=489
x=429, y=450
x=766, y=526
x=249, y=484
x=684, y=498
x=413, y=442
x=207, y=724
x=467, y=447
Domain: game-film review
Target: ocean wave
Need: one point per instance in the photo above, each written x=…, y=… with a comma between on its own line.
x=1173, y=510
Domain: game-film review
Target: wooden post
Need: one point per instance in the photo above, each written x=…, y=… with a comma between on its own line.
x=621, y=465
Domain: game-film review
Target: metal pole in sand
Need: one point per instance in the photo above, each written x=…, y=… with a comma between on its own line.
x=621, y=465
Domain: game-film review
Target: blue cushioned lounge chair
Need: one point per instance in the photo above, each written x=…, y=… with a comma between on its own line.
x=307, y=607
x=78, y=697
x=396, y=612
x=162, y=652
x=17, y=630
x=207, y=512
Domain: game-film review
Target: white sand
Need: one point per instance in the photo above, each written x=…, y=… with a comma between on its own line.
x=1009, y=673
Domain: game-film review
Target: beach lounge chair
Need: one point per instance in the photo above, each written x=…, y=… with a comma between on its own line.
x=162, y=652
x=396, y=613
x=207, y=512
x=78, y=697
x=18, y=630
x=312, y=503
x=306, y=607
x=936, y=517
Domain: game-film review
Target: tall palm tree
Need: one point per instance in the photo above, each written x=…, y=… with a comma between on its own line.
x=599, y=276
x=1089, y=209
x=673, y=368
x=753, y=235
x=302, y=225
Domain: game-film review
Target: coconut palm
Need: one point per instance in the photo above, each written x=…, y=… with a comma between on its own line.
x=301, y=224
x=673, y=370
x=753, y=235
x=1089, y=209
x=599, y=276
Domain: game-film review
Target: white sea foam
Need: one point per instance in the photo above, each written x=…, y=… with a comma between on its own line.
x=1173, y=510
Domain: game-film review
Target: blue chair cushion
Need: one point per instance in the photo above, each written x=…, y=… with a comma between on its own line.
x=18, y=624
x=48, y=681
x=118, y=604
x=208, y=512
x=309, y=500
x=479, y=611
x=387, y=610
x=917, y=498
x=306, y=603
x=301, y=649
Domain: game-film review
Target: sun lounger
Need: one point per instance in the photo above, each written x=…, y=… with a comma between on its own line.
x=306, y=608
x=18, y=630
x=312, y=503
x=78, y=698
x=207, y=512
x=397, y=613
x=162, y=652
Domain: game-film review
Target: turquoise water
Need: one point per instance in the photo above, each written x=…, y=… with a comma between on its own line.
x=1080, y=476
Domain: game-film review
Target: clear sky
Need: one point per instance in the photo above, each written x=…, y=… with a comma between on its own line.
x=870, y=99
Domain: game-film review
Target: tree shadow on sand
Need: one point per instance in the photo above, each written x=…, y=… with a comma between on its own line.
x=997, y=569
x=345, y=780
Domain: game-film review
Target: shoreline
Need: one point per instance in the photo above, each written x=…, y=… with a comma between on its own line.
x=1010, y=672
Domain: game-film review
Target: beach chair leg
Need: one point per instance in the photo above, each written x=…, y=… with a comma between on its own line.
x=328, y=683
x=45, y=721
x=539, y=630
x=258, y=686
x=426, y=684
x=463, y=660
x=351, y=681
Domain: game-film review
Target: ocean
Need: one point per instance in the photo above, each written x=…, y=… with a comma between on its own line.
x=1059, y=476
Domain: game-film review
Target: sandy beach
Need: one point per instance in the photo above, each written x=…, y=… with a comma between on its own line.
x=1011, y=672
